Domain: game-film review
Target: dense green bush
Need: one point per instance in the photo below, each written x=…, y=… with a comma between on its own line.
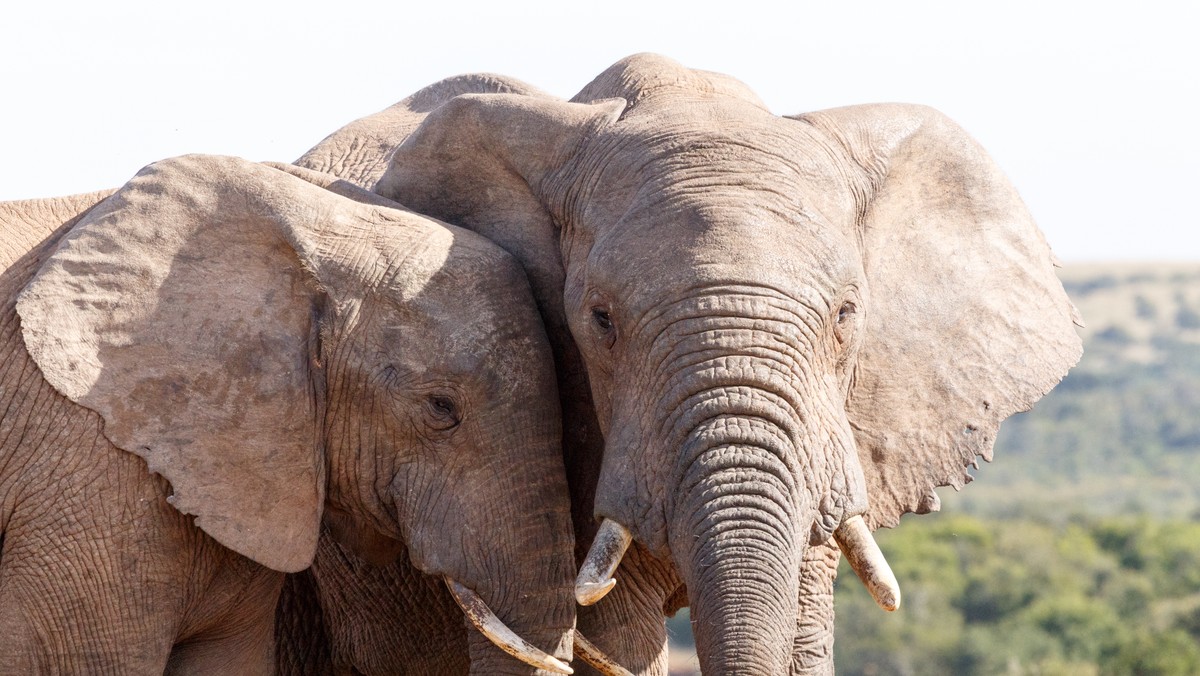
x=1114, y=595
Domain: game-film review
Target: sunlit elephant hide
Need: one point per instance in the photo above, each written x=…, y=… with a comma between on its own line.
x=203, y=365
x=769, y=331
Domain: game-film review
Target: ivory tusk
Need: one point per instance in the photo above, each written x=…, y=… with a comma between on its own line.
x=588, y=652
x=497, y=632
x=596, y=574
x=855, y=540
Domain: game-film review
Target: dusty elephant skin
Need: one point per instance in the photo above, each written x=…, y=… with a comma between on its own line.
x=346, y=613
x=763, y=326
x=283, y=352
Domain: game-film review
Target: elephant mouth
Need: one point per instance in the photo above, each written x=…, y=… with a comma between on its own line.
x=483, y=619
x=852, y=536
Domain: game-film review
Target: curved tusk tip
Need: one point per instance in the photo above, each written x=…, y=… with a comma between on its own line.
x=595, y=658
x=863, y=554
x=888, y=599
x=588, y=593
x=556, y=665
x=483, y=619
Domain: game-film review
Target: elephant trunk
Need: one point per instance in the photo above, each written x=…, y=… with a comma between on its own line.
x=525, y=580
x=518, y=606
x=760, y=463
x=500, y=533
x=739, y=550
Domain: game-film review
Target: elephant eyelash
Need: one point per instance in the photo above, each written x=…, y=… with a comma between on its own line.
x=604, y=323
x=846, y=311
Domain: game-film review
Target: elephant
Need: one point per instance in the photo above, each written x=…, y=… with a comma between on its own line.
x=772, y=334
x=203, y=366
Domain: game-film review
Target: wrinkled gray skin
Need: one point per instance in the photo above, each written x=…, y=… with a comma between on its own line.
x=347, y=614
x=280, y=354
x=762, y=325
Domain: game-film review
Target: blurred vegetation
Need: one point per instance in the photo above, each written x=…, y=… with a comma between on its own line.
x=1121, y=433
x=1110, y=595
x=1078, y=551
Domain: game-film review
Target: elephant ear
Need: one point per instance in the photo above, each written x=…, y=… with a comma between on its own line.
x=482, y=161
x=28, y=225
x=184, y=310
x=360, y=151
x=966, y=322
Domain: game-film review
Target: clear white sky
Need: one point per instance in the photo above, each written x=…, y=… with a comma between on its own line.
x=1093, y=108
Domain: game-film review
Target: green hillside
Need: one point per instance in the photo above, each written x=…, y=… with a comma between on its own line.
x=1115, y=595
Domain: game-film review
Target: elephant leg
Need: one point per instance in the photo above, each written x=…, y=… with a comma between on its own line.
x=628, y=624
x=812, y=649
x=65, y=607
x=19, y=652
x=301, y=641
x=234, y=627
x=98, y=568
x=101, y=575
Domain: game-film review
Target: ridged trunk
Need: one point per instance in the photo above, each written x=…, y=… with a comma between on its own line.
x=536, y=603
x=526, y=574
x=738, y=552
x=744, y=422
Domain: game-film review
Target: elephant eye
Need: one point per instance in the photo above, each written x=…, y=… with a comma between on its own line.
x=845, y=321
x=443, y=412
x=602, y=319
x=604, y=323
x=846, y=312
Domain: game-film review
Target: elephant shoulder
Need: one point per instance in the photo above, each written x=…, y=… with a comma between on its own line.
x=32, y=413
x=24, y=224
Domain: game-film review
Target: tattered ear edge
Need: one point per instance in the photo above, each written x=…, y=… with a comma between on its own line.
x=55, y=308
x=967, y=323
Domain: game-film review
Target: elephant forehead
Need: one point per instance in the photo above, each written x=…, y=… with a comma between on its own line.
x=483, y=329
x=724, y=137
x=413, y=262
x=700, y=183
x=669, y=252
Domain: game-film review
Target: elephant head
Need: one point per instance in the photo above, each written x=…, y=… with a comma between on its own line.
x=786, y=323
x=283, y=354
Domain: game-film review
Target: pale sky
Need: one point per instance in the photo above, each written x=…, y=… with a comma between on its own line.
x=1093, y=108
